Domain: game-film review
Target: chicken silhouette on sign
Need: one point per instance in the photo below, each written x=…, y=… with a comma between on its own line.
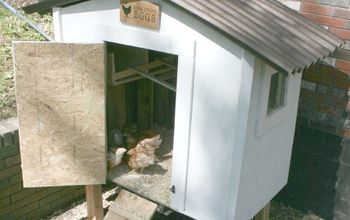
x=126, y=10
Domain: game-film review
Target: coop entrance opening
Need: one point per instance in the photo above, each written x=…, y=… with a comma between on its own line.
x=141, y=97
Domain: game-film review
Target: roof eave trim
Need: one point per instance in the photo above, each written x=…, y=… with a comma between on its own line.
x=46, y=6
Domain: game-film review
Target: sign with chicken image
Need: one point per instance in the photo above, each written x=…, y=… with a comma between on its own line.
x=140, y=13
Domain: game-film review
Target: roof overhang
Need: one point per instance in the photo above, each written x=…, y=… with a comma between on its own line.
x=270, y=30
x=46, y=6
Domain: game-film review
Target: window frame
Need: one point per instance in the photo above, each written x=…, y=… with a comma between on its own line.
x=284, y=94
x=268, y=120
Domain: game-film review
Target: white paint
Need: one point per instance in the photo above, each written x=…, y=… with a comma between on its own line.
x=144, y=39
x=245, y=94
x=222, y=168
x=183, y=115
x=57, y=24
x=216, y=88
x=267, y=156
x=295, y=5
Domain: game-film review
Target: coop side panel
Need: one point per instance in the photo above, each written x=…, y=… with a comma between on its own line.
x=213, y=131
x=245, y=94
x=268, y=148
x=61, y=113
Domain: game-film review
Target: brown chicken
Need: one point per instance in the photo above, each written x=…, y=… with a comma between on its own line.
x=133, y=136
x=143, y=155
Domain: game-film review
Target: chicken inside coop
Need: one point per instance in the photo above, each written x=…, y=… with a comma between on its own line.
x=140, y=120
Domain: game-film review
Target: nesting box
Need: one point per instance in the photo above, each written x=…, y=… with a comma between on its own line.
x=219, y=80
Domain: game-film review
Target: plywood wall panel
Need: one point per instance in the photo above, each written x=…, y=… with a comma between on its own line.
x=61, y=110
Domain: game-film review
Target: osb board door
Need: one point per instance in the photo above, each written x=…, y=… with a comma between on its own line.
x=60, y=92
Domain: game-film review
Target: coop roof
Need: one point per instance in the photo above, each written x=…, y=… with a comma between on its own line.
x=267, y=28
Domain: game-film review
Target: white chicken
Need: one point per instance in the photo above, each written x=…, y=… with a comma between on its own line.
x=114, y=157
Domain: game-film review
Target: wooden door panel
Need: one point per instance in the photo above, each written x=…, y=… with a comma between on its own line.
x=60, y=92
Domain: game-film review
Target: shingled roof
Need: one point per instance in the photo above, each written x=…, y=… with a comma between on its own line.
x=267, y=28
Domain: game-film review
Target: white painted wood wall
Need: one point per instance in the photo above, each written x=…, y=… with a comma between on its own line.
x=221, y=168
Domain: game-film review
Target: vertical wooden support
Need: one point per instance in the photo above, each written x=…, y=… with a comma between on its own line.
x=264, y=214
x=118, y=109
x=116, y=99
x=145, y=104
x=171, y=109
x=161, y=105
x=94, y=202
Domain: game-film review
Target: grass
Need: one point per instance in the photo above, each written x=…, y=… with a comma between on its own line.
x=12, y=28
x=3, y=13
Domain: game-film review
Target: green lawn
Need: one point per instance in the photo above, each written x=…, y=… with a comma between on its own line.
x=3, y=13
x=7, y=97
x=11, y=28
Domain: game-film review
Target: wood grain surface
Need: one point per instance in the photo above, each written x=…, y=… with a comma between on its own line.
x=60, y=92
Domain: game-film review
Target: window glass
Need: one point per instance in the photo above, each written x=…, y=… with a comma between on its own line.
x=277, y=91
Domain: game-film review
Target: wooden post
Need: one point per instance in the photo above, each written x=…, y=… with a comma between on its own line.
x=264, y=214
x=94, y=202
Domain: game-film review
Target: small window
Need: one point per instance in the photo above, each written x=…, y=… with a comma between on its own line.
x=277, y=91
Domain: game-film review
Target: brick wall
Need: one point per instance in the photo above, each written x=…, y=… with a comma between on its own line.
x=333, y=15
x=19, y=203
x=325, y=90
x=320, y=167
x=324, y=99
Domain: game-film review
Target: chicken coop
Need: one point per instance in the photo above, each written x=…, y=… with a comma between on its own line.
x=218, y=80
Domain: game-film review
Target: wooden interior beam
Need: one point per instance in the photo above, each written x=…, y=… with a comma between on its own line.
x=130, y=75
x=94, y=202
x=170, y=75
x=110, y=67
x=129, y=72
x=170, y=65
x=138, y=77
x=154, y=79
